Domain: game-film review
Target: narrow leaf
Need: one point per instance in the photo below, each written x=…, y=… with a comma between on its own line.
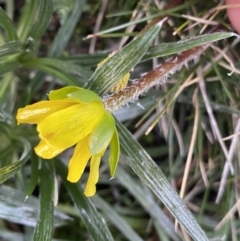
x=164, y=49
x=60, y=41
x=148, y=202
x=116, y=219
x=13, y=47
x=8, y=25
x=9, y=170
x=34, y=174
x=8, y=66
x=152, y=176
x=63, y=66
x=14, y=207
x=65, y=32
x=64, y=77
x=27, y=19
x=43, y=230
x=121, y=63
x=44, y=15
x=95, y=224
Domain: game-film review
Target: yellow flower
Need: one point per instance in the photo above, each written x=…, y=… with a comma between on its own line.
x=74, y=116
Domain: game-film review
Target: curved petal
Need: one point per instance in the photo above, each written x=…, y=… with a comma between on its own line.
x=62, y=93
x=35, y=113
x=90, y=188
x=45, y=151
x=67, y=127
x=78, y=161
x=102, y=134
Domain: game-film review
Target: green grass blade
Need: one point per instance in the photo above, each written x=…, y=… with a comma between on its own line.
x=14, y=207
x=189, y=43
x=62, y=66
x=34, y=174
x=44, y=15
x=7, y=24
x=64, y=34
x=148, y=202
x=116, y=219
x=27, y=19
x=8, y=66
x=152, y=176
x=121, y=63
x=43, y=230
x=58, y=73
x=90, y=60
x=97, y=228
x=11, y=169
x=9, y=48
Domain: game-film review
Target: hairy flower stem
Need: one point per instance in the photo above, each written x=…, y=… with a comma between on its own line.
x=152, y=78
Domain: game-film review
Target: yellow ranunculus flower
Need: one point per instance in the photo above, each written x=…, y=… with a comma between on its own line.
x=72, y=116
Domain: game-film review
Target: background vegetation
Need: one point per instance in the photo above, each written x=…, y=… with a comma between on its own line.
x=181, y=123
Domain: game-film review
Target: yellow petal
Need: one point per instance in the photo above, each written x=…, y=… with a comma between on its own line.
x=90, y=189
x=35, y=113
x=78, y=161
x=45, y=151
x=67, y=127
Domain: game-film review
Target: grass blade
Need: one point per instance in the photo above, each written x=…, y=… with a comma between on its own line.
x=44, y=15
x=97, y=228
x=43, y=230
x=65, y=32
x=7, y=24
x=152, y=176
x=116, y=219
x=121, y=63
x=189, y=43
x=9, y=48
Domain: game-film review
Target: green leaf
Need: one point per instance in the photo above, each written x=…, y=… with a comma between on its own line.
x=148, y=202
x=64, y=34
x=62, y=66
x=43, y=230
x=121, y=63
x=101, y=135
x=64, y=77
x=116, y=219
x=153, y=177
x=164, y=49
x=60, y=42
x=114, y=153
x=11, y=169
x=8, y=25
x=34, y=174
x=90, y=60
x=9, y=48
x=95, y=224
x=27, y=19
x=8, y=66
x=45, y=10
x=68, y=67
x=14, y=207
